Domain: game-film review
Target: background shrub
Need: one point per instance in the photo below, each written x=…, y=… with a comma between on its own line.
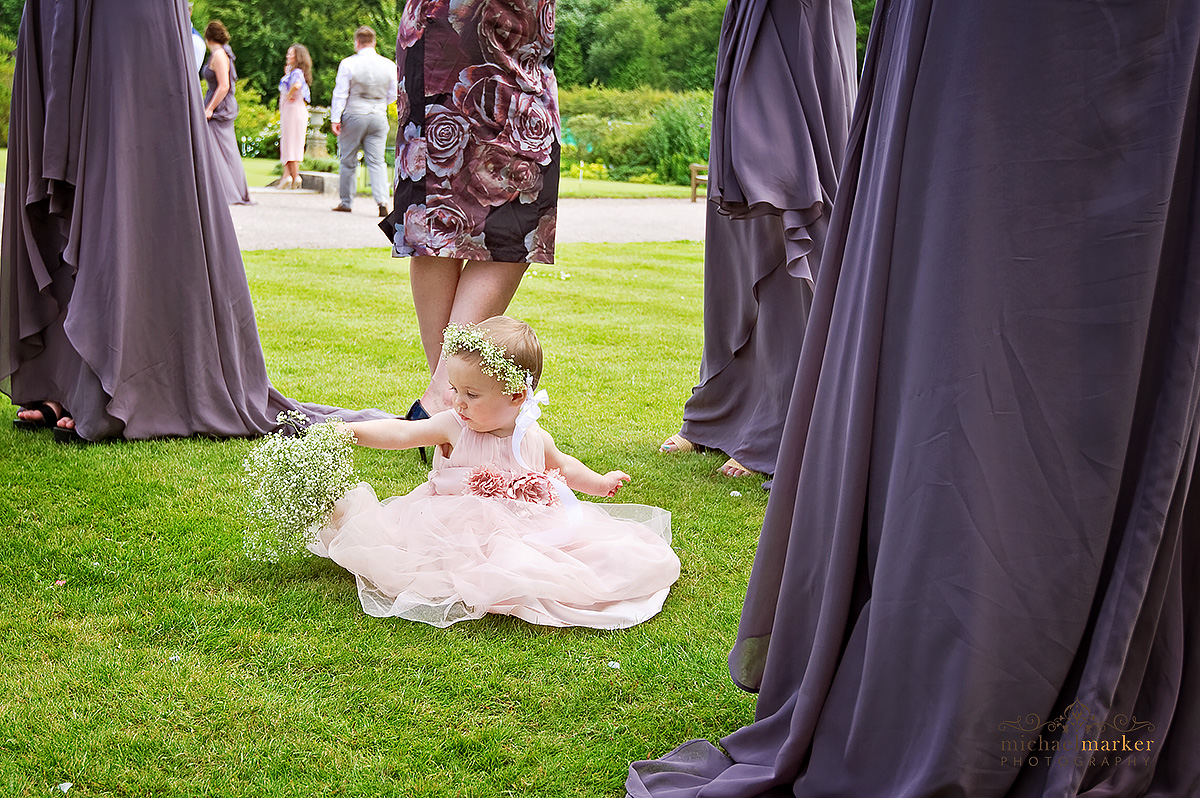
x=609, y=103
x=642, y=135
x=679, y=136
x=256, y=126
x=7, y=66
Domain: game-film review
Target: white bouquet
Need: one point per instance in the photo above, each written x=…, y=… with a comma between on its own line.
x=294, y=478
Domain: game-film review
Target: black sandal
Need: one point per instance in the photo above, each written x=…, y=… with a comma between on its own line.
x=64, y=435
x=416, y=413
x=49, y=418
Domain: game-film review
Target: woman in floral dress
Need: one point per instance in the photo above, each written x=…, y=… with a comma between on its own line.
x=476, y=160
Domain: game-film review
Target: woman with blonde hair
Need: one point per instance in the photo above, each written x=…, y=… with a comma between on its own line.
x=294, y=96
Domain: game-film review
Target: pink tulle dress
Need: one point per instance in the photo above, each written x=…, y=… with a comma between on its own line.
x=443, y=554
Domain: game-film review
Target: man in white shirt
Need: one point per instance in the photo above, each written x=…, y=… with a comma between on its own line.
x=199, y=47
x=365, y=87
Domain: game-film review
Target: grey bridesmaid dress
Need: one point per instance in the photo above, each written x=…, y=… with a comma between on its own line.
x=122, y=289
x=785, y=89
x=229, y=173
x=975, y=575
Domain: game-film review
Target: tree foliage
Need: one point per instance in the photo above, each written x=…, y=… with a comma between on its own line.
x=625, y=54
x=568, y=54
x=262, y=30
x=664, y=44
x=690, y=49
x=10, y=17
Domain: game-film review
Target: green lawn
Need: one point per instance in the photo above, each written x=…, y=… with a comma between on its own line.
x=143, y=655
x=260, y=171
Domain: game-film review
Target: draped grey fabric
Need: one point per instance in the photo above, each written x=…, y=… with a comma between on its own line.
x=784, y=92
x=754, y=317
x=122, y=290
x=971, y=575
x=228, y=171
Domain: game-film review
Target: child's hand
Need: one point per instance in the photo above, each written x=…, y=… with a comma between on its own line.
x=613, y=481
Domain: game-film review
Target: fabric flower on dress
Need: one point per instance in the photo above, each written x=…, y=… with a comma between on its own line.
x=540, y=241
x=412, y=155
x=534, y=488
x=503, y=27
x=546, y=25
x=489, y=174
x=403, y=105
x=487, y=481
x=526, y=65
x=446, y=136
x=484, y=94
x=523, y=178
x=531, y=130
x=447, y=223
x=473, y=248
x=412, y=24
x=416, y=229
x=460, y=13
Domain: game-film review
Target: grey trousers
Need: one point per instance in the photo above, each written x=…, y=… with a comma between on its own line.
x=366, y=132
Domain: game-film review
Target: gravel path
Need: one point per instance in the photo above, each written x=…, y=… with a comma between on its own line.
x=304, y=219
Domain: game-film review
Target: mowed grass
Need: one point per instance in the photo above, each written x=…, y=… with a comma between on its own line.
x=143, y=655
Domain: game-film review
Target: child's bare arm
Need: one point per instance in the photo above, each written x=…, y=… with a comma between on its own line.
x=578, y=476
x=397, y=433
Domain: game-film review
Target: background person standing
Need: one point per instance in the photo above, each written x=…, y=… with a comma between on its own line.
x=220, y=109
x=365, y=87
x=293, y=113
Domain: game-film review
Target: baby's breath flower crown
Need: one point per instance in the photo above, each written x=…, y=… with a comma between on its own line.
x=493, y=360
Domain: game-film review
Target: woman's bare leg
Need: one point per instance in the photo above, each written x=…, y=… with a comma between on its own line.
x=291, y=173
x=434, y=283
x=485, y=288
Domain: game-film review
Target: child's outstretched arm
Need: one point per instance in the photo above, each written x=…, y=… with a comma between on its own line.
x=397, y=433
x=578, y=476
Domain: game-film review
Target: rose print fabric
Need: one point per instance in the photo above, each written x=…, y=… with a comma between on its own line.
x=486, y=535
x=477, y=151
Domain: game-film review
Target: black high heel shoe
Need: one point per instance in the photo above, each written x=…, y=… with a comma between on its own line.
x=416, y=413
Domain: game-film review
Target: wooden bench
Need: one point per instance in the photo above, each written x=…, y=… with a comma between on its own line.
x=699, y=179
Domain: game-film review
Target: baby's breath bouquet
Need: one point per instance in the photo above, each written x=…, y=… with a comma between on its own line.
x=294, y=477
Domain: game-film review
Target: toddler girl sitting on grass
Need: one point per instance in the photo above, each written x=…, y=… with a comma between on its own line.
x=497, y=528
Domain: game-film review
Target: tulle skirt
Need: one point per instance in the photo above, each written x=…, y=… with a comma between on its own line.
x=444, y=559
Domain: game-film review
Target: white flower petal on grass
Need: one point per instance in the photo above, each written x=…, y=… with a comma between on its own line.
x=66, y=785
x=612, y=663
x=737, y=494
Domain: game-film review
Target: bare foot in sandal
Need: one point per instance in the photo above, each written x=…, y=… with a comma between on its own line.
x=39, y=415
x=732, y=468
x=678, y=443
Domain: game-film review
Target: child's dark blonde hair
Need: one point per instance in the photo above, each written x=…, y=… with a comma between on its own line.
x=514, y=337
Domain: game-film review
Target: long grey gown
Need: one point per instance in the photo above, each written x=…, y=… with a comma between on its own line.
x=122, y=290
x=781, y=114
x=976, y=573
x=228, y=172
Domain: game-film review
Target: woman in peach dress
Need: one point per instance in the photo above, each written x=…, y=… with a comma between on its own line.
x=294, y=97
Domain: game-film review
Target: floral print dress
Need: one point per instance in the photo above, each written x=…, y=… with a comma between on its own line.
x=478, y=145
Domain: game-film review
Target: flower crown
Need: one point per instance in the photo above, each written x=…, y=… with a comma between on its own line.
x=493, y=360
